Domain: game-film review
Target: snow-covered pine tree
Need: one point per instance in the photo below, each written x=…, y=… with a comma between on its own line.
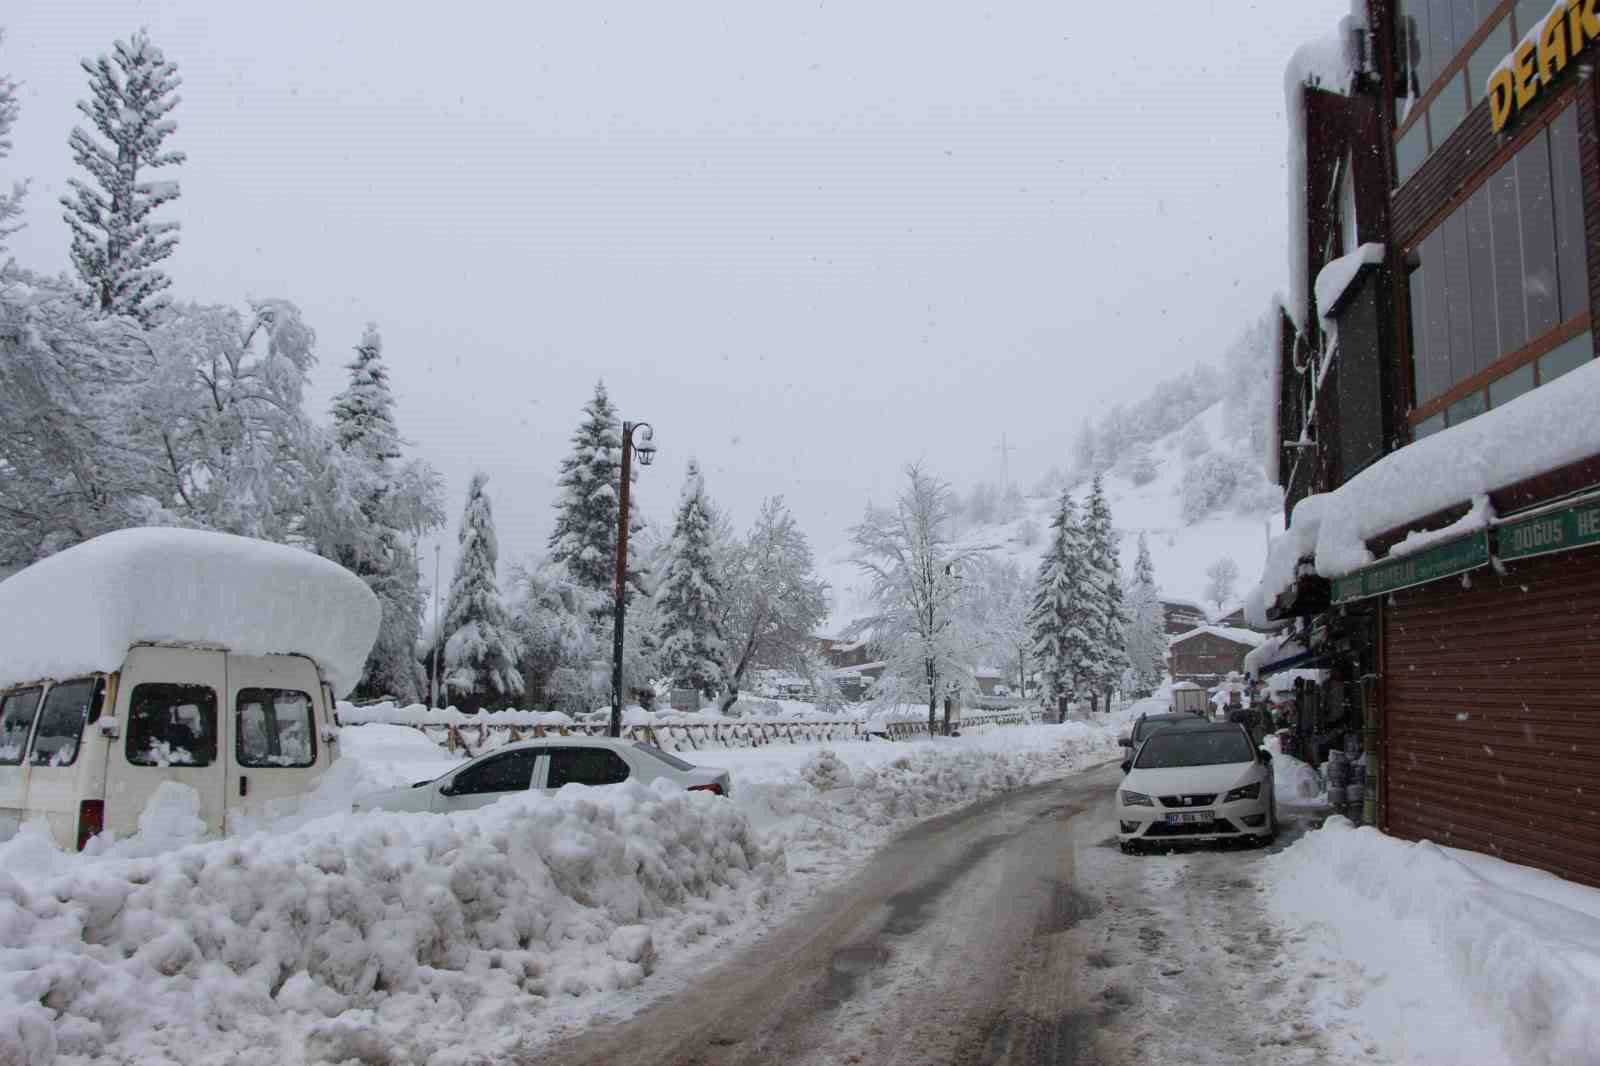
x=115, y=243
x=1111, y=651
x=1146, y=628
x=585, y=536
x=10, y=203
x=394, y=504
x=689, y=598
x=1062, y=645
x=481, y=649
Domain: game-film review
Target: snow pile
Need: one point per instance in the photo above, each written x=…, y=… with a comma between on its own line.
x=1294, y=781
x=1335, y=279
x=1480, y=516
x=369, y=937
x=1468, y=957
x=1464, y=463
x=86, y=605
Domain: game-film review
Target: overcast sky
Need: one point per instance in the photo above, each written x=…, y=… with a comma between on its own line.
x=808, y=242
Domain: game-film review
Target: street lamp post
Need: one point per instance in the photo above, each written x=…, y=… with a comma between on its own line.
x=647, y=453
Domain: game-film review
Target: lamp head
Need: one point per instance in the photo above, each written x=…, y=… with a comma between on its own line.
x=645, y=449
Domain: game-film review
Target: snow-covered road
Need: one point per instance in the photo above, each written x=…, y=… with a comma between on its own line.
x=1012, y=931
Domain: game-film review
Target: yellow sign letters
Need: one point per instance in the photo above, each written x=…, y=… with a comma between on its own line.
x=1540, y=58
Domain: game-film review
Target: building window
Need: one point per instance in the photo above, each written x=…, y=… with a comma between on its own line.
x=1431, y=36
x=1500, y=280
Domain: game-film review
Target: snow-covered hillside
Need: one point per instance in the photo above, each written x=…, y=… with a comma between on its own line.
x=1181, y=550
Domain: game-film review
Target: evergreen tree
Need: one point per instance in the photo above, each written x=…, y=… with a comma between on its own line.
x=1062, y=643
x=1146, y=628
x=689, y=599
x=10, y=203
x=115, y=243
x=394, y=504
x=585, y=536
x=1110, y=615
x=481, y=649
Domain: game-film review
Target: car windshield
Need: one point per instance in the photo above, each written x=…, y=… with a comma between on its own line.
x=1153, y=725
x=1193, y=748
x=666, y=757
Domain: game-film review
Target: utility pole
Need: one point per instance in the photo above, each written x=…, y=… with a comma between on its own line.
x=433, y=699
x=1005, y=464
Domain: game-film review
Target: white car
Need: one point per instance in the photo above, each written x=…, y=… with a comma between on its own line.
x=1210, y=783
x=547, y=763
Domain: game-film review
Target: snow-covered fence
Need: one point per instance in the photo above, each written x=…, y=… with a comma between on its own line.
x=473, y=734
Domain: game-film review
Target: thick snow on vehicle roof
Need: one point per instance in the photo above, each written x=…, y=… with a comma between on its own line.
x=80, y=610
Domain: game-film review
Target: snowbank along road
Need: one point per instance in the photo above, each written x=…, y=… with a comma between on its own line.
x=1012, y=931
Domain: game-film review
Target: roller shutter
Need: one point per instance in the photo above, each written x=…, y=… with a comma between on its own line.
x=1492, y=713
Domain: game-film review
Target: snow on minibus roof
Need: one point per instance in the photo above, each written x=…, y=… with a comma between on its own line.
x=80, y=610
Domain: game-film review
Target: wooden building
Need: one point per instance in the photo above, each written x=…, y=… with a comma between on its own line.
x=1433, y=381
x=1208, y=654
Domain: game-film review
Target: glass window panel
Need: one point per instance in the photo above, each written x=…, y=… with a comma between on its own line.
x=1531, y=13
x=1566, y=182
x=1480, y=266
x=1427, y=427
x=1482, y=9
x=1570, y=356
x=274, y=728
x=1540, y=292
x=16, y=721
x=1506, y=222
x=1487, y=56
x=1467, y=407
x=61, y=721
x=1442, y=37
x=1448, y=108
x=1411, y=149
x=1503, y=390
x=1414, y=22
x=1419, y=317
x=1436, y=322
x=1458, y=298
x=172, y=725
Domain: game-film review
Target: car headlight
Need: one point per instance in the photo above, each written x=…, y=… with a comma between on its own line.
x=1245, y=792
x=1135, y=799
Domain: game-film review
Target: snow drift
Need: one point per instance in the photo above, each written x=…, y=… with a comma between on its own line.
x=79, y=610
x=363, y=935
x=1452, y=940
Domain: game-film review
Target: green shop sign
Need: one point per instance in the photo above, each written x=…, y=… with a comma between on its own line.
x=1552, y=532
x=1442, y=560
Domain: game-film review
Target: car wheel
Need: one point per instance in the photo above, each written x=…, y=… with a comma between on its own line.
x=1131, y=847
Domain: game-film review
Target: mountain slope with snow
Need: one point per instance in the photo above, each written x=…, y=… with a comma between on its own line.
x=1182, y=550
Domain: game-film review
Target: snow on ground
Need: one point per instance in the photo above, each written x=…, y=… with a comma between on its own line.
x=452, y=938
x=1439, y=955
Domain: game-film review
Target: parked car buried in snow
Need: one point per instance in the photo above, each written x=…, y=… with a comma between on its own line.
x=152, y=655
x=548, y=763
x=1196, y=784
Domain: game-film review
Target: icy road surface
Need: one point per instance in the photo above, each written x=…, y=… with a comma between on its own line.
x=1012, y=931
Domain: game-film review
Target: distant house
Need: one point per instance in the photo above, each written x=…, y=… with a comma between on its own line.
x=1207, y=654
x=845, y=653
x=987, y=678
x=1181, y=615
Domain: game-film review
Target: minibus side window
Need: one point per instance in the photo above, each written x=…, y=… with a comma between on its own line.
x=66, y=709
x=16, y=718
x=172, y=725
x=275, y=728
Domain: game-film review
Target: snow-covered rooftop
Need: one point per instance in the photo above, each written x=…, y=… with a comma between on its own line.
x=1539, y=431
x=79, y=610
x=1238, y=636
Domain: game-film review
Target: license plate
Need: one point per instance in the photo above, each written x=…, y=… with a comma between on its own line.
x=1190, y=817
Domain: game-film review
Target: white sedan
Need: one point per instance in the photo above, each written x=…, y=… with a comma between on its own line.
x=548, y=763
x=1196, y=784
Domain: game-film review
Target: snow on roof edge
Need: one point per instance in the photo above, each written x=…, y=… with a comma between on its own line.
x=82, y=608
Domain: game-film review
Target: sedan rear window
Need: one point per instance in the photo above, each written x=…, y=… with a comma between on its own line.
x=1194, y=748
x=666, y=757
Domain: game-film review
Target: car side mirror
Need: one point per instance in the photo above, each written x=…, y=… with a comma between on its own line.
x=1126, y=742
x=447, y=789
x=1127, y=764
x=1264, y=756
